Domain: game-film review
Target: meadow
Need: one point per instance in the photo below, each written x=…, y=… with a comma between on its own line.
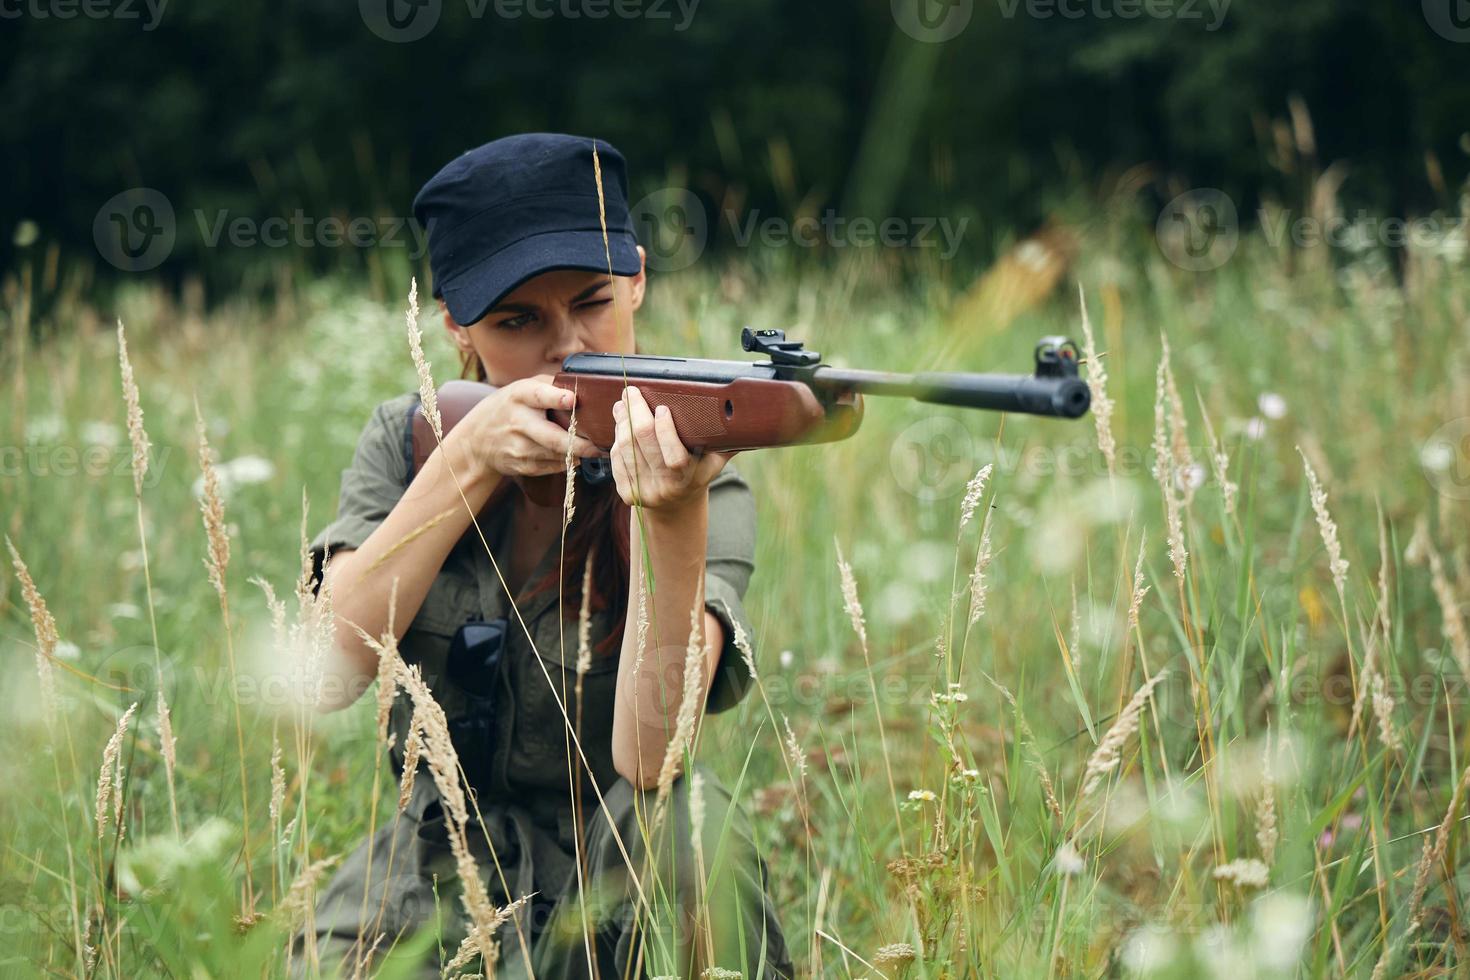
x=1177, y=689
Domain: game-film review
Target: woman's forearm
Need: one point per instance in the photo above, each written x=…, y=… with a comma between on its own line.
x=649, y=693
x=362, y=580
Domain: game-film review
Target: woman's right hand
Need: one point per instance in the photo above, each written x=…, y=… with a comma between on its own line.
x=508, y=432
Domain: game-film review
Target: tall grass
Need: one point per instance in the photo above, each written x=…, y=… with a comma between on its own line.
x=1179, y=690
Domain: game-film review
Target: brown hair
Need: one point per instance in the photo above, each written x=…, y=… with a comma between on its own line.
x=602, y=518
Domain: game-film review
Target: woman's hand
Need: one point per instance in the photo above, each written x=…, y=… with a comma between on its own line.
x=668, y=476
x=508, y=432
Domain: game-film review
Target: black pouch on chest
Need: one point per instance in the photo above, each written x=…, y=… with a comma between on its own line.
x=475, y=656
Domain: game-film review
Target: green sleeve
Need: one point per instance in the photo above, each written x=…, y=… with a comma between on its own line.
x=729, y=563
x=372, y=484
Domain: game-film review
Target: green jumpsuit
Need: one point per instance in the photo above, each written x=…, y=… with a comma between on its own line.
x=524, y=839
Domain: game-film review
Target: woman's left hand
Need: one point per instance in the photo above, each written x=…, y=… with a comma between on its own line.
x=669, y=477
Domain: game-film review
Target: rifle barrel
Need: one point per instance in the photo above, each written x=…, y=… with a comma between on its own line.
x=1029, y=394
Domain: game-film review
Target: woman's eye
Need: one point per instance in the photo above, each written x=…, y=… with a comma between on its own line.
x=516, y=322
x=597, y=302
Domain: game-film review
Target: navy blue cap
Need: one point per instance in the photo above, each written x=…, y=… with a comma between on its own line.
x=520, y=206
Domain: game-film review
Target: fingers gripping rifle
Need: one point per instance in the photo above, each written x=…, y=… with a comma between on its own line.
x=791, y=398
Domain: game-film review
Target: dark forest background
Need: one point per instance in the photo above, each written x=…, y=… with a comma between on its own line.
x=781, y=107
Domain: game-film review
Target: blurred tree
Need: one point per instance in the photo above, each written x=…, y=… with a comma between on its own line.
x=250, y=111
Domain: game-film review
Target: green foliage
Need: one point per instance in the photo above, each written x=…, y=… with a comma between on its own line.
x=961, y=841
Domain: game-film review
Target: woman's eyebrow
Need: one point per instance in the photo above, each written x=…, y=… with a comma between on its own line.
x=590, y=290
x=532, y=307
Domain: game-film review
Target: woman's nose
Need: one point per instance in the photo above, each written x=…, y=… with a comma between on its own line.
x=565, y=347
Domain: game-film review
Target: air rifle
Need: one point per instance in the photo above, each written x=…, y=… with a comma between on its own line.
x=791, y=398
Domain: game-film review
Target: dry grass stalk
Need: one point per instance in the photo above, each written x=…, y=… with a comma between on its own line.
x=1074, y=640
x=482, y=936
x=895, y=954
x=1449, y=608
x=428, y=394
x=137, y=437
x=973, y=490
x=1135, y=601
x=642, y=629
x=167, y=744
x=850, y=597
x=1109, y=752
x=1434, y=851
x=1384, y=622
x=742, y=643
x=44, y=626
x=1219, y=462
x=1028, y=739
x=690, y=699
x=696, y=817
x=793, y=749
x=584, y=617
x=413, y=750
x=568, y=506
x=438, y=750
x=1328, y=528
x=1267, y=835
x=297, y=902
x=213, y=508
x=1244, y=873
x=1383, y=708
x=408, y=539
x=977, y=574
x=1165, y=468
x=386, y=693
x=1179, y=432
x=1097, y=381
x=278, y=781
x=109, y=778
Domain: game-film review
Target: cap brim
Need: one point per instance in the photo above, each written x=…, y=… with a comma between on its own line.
x=473, y=293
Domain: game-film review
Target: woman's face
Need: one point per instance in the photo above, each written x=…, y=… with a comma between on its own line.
x=541, y=322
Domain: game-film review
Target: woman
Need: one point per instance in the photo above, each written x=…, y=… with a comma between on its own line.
x=520, y=266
